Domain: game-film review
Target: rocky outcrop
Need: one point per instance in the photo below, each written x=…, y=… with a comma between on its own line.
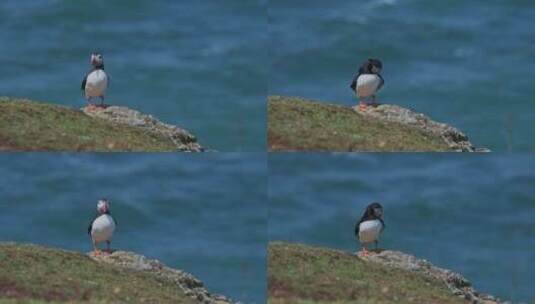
x=455, y=139
x=455, y=282
x=183, y=140
x=191, y=286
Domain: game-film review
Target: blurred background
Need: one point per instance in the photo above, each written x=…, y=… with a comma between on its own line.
x=200, y=65
x=470, y=214
x=466, y=63
x=204, y=214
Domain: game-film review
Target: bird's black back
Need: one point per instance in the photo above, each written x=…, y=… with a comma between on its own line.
x=365, y=68
x=369, y=215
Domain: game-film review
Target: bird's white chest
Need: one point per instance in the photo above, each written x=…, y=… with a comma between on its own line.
x=369, y=231
x=102, y=228
x=96, y=84
x=367, y=85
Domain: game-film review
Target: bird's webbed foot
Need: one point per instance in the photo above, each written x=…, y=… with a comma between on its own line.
x=362, y=105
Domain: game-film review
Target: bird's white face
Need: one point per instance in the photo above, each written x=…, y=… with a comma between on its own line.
x=103, y=206
x=96, y=59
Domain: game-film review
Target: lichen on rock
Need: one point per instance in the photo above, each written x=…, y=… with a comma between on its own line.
x=456, y=140
x=191, y=286
x=183, y=140
x=455, y=282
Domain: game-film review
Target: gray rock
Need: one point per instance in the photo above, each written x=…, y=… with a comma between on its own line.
x=191, y=286
x=456, y=140
x=183, y=140
x=455, y=282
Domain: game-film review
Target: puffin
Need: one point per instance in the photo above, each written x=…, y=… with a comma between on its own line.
x=102, y=226
x=95, y=82
x=370, y=226
x=368, y=81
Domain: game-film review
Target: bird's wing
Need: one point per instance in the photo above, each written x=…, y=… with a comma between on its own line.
x=85, y=78
x=383, y=225
x=90, y=227
x=380, y=83
x=353, y=85
x=84, y=82
x=357, y=226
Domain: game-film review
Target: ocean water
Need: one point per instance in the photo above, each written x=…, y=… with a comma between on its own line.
x=205, y=214
x=469, y=213
x=467, y=63
x=201, y=65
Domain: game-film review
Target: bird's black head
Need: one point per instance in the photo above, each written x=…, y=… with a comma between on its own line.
x=371, y=66
x=374, y=211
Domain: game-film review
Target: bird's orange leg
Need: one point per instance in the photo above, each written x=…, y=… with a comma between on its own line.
x=364, y=251
x=96, y=251
x=362, y=105
x=90, y=104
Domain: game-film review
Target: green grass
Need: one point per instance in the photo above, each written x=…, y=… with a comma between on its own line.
x=296, y=124
x=306, y=275
x=32, y=126
x=34, y=274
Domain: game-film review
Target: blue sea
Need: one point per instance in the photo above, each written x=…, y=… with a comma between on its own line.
x=466, y=63
x=204, y=214
x=473, y=214
x=201, y=65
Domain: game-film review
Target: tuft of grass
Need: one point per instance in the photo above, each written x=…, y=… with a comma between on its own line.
x=32, y=126
x=35, y=274
x=306, y=275
x=296, y=124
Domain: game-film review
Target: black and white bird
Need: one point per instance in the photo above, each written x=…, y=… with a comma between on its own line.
x=95, y=82
x=368, y=81
x=102, y=227
x=370, y=226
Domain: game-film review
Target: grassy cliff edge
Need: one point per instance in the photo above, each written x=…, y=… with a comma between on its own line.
x=304, y=274
x=297, y=124
x=36, y=274
x=27, y=125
